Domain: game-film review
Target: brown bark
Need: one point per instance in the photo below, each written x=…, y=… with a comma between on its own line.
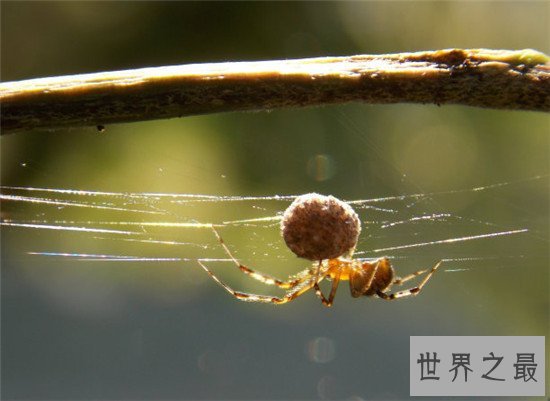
x=500, y=79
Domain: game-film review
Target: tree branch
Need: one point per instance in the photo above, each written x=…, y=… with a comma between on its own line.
x=500, y=79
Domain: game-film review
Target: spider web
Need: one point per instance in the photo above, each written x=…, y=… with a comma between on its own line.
x=169, y=227
x=85, y=253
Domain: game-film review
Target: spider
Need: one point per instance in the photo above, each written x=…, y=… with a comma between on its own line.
x=373, y=278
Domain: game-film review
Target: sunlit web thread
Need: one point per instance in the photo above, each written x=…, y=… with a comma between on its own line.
x=120, y=258
x=68, y=228
x=211, y=198
x=61, y=226
x=430, y=217
x=414, y=245
x=478, y=259
x=159, y=242
x=129, y=258
x=436, y=217
x=47, y=224
x=99, y=257
x=78, y=192
x=149, y=199
x=217, y=198
x=449, y=192
x=444, y=241
x=270, y=219
x=149, y=195
x=55, y=202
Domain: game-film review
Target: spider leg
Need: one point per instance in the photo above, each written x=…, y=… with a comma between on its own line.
x=328, y=302
x=262, y=277
x=401, y=280
x=246, y=297
x=411, y=291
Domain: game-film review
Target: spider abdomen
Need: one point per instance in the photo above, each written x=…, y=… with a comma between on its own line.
x=318, y=227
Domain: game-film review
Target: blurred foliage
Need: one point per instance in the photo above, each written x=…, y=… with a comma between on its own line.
x=173, y=333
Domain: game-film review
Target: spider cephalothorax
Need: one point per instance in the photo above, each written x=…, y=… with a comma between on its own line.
x=325, y=229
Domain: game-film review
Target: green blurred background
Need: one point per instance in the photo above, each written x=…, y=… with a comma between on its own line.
x=85, y=329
